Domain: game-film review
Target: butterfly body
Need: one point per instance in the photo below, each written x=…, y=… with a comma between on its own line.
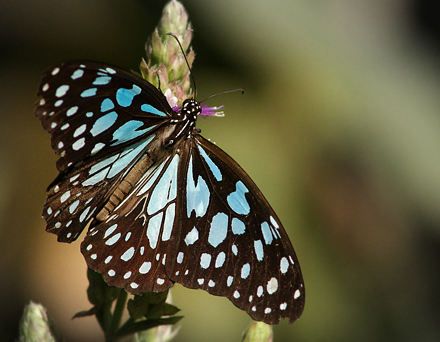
x=165, y=204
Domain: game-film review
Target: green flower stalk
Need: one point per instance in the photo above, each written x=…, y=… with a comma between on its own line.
x=36, y=325
x=258, y=332
x=165, y=66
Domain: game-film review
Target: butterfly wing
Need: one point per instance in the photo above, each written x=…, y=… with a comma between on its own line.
x=197, y=219
x=129, y=248
x=233, y=244
x=102, y=120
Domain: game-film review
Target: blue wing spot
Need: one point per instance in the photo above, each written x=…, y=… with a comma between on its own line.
x=89, y=92
x=150, y=109
x=218, y=229
x=103, y=123
x=197, y=197
x=102, y=80
x=214, y=168
x=169, y=221
x=127, y=156
x=192, y=236
x=153, y=229
x=238, y=227
x=99, y=171
x=165, y=190
x=124, y=96
x=106, y=105
x=128, y=131
x=237, y=200
x=267, y=235
x=258, y=247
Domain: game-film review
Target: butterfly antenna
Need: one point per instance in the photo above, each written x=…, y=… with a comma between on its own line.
x=186, y=60
x=224, y=92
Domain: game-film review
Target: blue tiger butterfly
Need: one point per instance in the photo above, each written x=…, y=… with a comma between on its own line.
x=164, y=204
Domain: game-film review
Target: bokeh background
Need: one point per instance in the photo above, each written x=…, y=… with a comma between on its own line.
x=339, y=127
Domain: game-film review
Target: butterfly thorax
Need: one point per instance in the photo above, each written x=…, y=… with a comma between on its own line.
x=182, y=127
x=185, y=121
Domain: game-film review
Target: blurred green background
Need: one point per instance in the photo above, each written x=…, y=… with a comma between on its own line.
x=339, y=127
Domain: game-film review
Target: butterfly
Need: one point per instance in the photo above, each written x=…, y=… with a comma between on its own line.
x=165, y=205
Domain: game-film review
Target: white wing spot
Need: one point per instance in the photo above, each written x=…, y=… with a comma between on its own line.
x=272, y=285
x=267, y=310
x=283, y=306
x=296, y=294
x=113, y=239
x=129, y=253
x=236, y=294
x=108, y=259
x=145, y=267
x=201, y=281
x=160, y=281
x=260, y=291
x=110, y=230
x=234, y=249
x=65, y=196
x=61, y=90
x=229, y=281
x=79, y=144
x=134, y=285
x=127, y=275
x=180, y=257
x=205, y=260
x=284, y=265
x=220, y=260
x=72, y=111
x=111, y=273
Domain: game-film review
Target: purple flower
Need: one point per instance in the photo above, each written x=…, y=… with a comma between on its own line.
x=206, y=110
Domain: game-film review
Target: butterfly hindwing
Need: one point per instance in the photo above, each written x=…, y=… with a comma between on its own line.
x=233, y=244
x=129, y=247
